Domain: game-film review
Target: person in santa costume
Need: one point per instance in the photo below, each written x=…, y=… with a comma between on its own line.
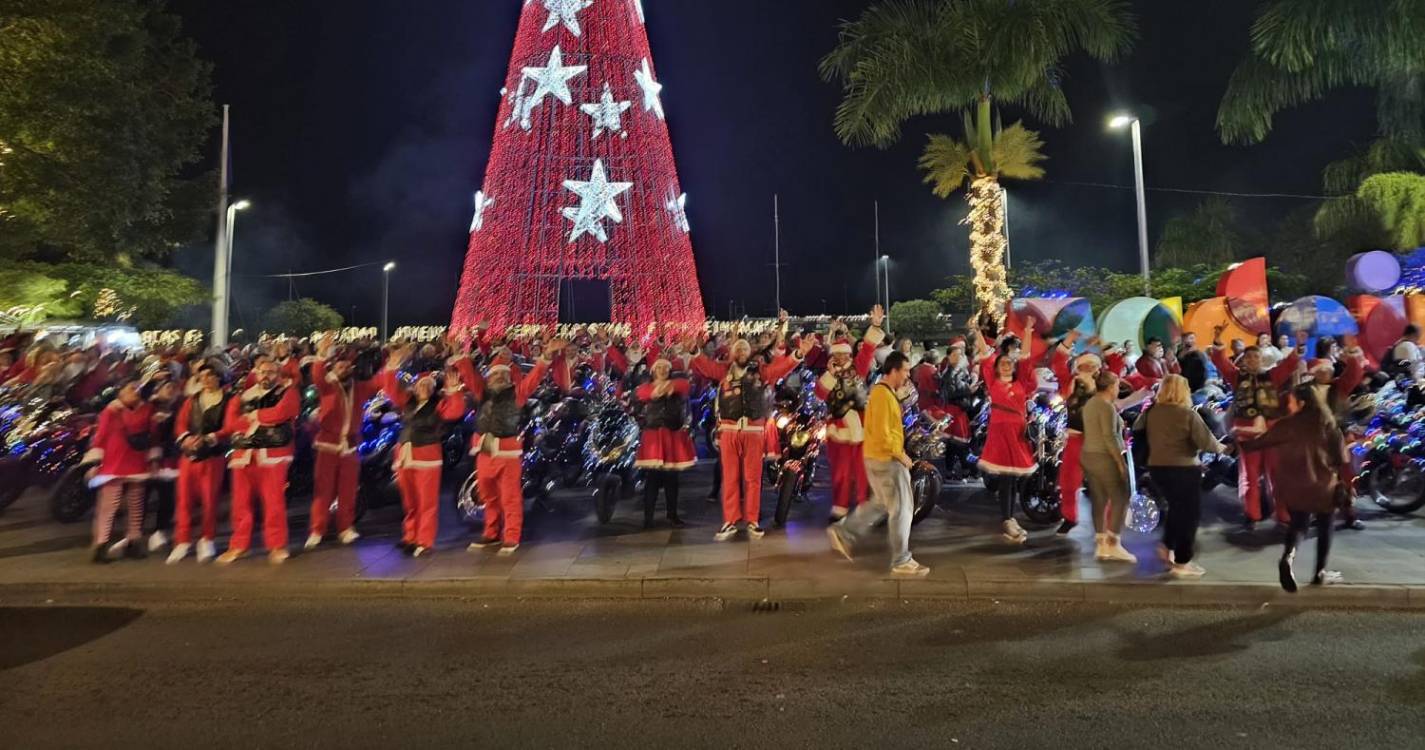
x=496, y=443
x=164, y=393
x=843, y=389
x=337, y=469
x=123, y=448
x=259, y=427
x=743, y=406
x=1256, y=404
x=1010, y=382
x=665, y=448
x=199, y=429
x=419, y=457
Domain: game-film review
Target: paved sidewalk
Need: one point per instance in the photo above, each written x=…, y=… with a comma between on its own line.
x=566, y=553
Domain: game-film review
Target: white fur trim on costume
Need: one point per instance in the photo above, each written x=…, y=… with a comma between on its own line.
x=664, y=465
x=1014, y=471
x=875, y=335
x=100, y=480
x=840, y=347
x=849, y=431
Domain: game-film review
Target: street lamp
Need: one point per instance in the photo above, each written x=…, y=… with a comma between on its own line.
x=386, y=297
x=223, y=275
x=886, y=259
x=1118, y=123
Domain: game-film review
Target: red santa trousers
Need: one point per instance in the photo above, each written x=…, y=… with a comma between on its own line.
x=335, y=479
x=198, y=482
x=848, y=474
x=1071, y=477
x=1251, y=471
x=742, y=454
x=498, y=482
x=420, y=498
x=269, y=483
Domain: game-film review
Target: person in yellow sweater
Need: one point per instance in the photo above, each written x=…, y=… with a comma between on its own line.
x=887, y=472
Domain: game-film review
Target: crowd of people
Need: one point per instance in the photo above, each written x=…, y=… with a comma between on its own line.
x=179, y=425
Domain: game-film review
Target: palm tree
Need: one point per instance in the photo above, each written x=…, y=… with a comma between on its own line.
x=1362, y=210
x=904, y=58
x=1303, y=49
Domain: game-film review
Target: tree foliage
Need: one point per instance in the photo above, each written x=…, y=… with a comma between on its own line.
x=1016, y=153
x=301, y=317
x=918, y=319
x=1347, y=218
x=1210, y=234
x=69, y=290
x=103, y=105
x=1304, y=49
x=1398, y=200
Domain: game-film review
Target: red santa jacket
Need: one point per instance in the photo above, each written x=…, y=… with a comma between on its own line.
x=451, y=408
x=122, y=443
x=341, y=410
x=240, y=421
x=507, y=447
x=718, y=371
x=848, y=429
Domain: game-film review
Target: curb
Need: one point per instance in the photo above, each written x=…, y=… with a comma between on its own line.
x=1353, y=596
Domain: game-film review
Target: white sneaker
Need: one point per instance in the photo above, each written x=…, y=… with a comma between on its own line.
x=312, y=541
x=1013, y=532
x=1113, y=551
x=1187, y=570
x=419, y=550
x=837, y=543
x=728, y=531
x=754, y=531
x=278, y=556
x=157, y=541
x=505, y=549
x=179, y=552
x=231, y=556
x=117, y=548
x=349, y=536
x=1328, y=578
x=206, y=550
x=910, y=568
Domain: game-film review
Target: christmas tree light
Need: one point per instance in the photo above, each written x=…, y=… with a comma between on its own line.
x=581, y=182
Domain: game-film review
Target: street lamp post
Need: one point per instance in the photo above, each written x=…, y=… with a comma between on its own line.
x=1137, y=128
x=223, y=275
x=886, y=259
x=386, y=297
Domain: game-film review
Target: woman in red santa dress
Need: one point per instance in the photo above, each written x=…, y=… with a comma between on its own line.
x=665, y=448
x=1010, y=382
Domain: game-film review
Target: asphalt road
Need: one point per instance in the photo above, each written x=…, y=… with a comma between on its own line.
x=402, y=673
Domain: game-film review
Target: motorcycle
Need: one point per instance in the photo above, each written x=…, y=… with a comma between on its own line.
x=800, y=423
x=45, y=447
x=380, y=431
x=609, y=454
x=925, y=446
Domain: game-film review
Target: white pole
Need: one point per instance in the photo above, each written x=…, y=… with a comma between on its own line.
x=777, y=247
x=877, y=265
x=385, y=302
x=1142, y=207
x=888, y=291
x=221, y=260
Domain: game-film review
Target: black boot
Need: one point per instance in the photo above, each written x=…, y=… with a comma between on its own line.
x=134, y=550
x=670, y=493
x=101, y=555
x=650, y=497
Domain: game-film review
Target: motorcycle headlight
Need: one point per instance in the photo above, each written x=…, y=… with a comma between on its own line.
x=800, y=438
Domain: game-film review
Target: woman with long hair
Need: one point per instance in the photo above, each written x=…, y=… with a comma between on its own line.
x=1176, y=435
x=1309, y=454
x=1010, y=382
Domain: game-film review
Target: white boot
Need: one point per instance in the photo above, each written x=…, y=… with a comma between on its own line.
x=179, y=552
x=349, y=536
x=157, y=541
x=312, y=541
x=1100, y=546
x=206, y=550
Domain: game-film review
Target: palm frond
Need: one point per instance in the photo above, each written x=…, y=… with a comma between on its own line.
x=1344, y=176
x=1398, y=198
x=946, y=163
x=1019, y=153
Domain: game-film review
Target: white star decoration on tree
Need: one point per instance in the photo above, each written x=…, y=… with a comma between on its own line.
x=678, y=207
x=596, y=203
x=607, y=113
x=567, y=13
x=651, y=89
x=482, y=202
x=551, y=80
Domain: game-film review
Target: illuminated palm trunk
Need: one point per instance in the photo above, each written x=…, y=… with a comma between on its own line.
x=987, y=244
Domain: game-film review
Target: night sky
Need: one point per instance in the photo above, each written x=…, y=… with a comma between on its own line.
x=361, y=131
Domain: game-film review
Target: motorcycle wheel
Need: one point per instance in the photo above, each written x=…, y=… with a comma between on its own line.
x=71, y=497
x=1398, y=491
x=453, y=452
x=468, y=507
x=786, y=494
x=606, y=494
x=925, y=487
x=10, y=493
x=1040, y=501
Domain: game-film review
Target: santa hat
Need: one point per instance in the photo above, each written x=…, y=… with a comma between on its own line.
x=841, y=346
x=501, y=363
x=957, y=342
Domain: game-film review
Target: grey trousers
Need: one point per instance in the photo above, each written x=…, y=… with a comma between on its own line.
x=1108, y=491
x=890, y=496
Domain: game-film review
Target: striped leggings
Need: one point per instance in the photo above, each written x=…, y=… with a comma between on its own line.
x=108, y=506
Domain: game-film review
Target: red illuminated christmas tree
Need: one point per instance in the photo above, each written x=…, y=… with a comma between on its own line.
x=581, y=182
